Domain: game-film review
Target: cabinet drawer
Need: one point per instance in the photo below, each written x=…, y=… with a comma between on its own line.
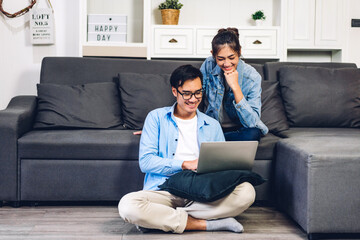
x=258, y=42
x=203, y=41
x=173, y=41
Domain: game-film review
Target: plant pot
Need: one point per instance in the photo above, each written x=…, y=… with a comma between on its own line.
x=170, y=16
x=258, y=22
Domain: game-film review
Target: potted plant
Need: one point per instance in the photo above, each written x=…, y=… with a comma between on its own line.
x=170, y=11
x=258, y=17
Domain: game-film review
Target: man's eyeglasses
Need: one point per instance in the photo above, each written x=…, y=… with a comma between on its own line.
x=188, y=95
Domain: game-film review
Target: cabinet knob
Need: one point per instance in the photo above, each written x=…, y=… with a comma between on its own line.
x=173, y=40
x=257, y=42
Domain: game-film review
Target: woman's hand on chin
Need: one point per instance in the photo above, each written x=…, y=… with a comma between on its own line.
x=232, y=79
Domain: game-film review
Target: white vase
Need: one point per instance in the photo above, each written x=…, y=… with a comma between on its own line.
x=258, y=22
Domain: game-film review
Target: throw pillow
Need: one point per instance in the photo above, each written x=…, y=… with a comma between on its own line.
x=272, y=109
x=141, y=93
x=321, y=97
x=208, y=187
x=93, y=105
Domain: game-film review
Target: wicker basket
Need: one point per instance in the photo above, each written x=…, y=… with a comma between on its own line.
x=170, y=16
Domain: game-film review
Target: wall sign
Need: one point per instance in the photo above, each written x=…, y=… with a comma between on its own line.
x=42, y=27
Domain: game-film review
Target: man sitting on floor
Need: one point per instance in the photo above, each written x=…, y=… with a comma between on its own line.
x=170, y=143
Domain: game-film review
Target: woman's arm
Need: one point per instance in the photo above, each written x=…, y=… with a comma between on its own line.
x=248, y=108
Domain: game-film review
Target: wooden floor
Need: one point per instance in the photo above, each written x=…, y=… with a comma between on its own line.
x=103, y=222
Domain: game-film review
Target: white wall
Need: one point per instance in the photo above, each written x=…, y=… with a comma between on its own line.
x=19, y=60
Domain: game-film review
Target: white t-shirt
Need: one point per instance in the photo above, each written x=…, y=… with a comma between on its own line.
x=187, y=149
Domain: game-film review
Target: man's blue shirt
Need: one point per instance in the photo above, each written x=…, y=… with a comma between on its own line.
x=159, y=140
x=248, y=110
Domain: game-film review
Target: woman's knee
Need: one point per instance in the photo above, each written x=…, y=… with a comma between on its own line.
x=253, y=134
x=243, y=134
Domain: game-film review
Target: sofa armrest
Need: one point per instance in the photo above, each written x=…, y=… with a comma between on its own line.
x=15, y=120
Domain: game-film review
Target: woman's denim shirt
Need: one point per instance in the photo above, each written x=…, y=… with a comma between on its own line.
x=248, y=110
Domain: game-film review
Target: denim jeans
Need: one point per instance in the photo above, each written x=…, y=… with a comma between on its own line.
x=243, y=134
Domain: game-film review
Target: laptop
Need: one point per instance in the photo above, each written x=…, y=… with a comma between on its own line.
x=220, y=156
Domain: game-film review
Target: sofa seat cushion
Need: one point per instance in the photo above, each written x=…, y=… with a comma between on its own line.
x=320, y=132
x=266, y=148
x=327, y=146
x=79, y=144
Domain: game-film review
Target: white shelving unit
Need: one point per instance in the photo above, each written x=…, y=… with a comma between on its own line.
x=293, y=29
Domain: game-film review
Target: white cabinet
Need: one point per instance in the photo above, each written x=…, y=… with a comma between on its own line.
x=314, y=24
x=195, y=41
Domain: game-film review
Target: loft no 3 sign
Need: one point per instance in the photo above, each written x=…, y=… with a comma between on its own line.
x=42, y=26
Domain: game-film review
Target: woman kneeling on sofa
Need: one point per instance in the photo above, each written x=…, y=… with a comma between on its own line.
x=169, y=144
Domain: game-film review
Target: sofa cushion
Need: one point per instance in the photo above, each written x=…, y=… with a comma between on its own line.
x=271, y=69
x=99, y=144
x=93, y=105
x=272, y=109
x=321, y=97
x=208, y=187
x=259, y=68
x=141, y=93
x=320, y=132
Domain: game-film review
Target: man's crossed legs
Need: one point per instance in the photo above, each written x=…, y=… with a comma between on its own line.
x=167, y=212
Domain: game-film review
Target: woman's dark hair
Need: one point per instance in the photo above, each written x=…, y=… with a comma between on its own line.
x=184, y=73
x=228, y=36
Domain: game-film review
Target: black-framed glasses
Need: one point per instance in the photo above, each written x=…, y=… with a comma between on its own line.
x=188, y=95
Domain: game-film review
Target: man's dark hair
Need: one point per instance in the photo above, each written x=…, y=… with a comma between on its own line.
x=184, y=73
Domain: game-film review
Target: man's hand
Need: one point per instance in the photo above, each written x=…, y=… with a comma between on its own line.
x=190, y=165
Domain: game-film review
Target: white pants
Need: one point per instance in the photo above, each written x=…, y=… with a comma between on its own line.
x=167, y=212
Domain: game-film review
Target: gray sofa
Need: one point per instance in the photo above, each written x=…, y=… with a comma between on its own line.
x=311, y=160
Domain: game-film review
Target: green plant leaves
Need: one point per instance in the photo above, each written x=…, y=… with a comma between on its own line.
x=259, y=15
x=170, y=4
